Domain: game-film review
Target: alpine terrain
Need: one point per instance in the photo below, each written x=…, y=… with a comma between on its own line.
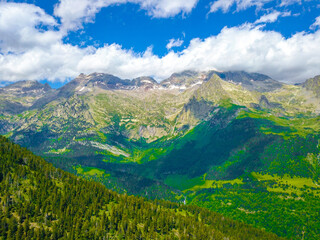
x=240, y=144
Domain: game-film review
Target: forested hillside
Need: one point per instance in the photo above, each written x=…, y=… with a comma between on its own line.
x=38, y=201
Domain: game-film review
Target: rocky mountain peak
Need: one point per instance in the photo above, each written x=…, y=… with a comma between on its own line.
x=145, y=82
x=313, y=84
x=26, y=88
x=27, y=84
x=183, y=80
x=87, y=83
x=84, y=83
x=187, y=73
x=251, y=81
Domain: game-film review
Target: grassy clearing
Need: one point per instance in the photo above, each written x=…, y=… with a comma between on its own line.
x=90, y=171
x=59, y=151
x=142, y=156
x=295, y=126
x=298, y=182
x=185, y=184
x=288, y=184
x=221, y=183
x=182, y=182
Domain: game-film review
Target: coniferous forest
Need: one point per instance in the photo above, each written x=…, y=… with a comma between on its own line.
x=38, y=201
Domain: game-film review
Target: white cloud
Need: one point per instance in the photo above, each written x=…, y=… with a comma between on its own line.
x=316, y=23
x=174, y=43
x=20, y=27
x=247, y=47
x=289, y=2
x=272, y=17
x=166, y=8
x=74, y=13
x=225, y=5
x=57, y=62
x=269, y=18
x=288, y=14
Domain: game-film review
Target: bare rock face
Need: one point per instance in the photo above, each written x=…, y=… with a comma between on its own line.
x=313, y=84
x=264, y=103
x=18, y=97
x=251, y=81
x=182, y=80
x=145, y=83
x=26, y=88
x=200, y=109
x=151, y=133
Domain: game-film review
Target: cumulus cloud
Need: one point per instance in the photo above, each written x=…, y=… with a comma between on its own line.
x=74, y=13
x=174, y=43
x=21, y=27
x=247, y=47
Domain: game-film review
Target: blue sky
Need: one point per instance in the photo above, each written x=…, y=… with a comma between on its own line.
x=56, y=40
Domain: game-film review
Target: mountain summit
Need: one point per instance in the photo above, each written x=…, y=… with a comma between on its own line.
x=26, y=89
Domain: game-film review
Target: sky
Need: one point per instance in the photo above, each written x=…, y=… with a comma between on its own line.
x=56, y=40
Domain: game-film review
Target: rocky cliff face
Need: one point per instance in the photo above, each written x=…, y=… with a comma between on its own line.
x=26, y=88
x=251, y=81
x=313, y=84
x=19, y=97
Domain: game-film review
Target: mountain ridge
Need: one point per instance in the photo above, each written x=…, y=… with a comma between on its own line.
x=43, y=94
x=176, y=78
x=194, y=138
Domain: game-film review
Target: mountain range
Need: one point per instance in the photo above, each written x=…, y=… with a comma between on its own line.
x=238, y=143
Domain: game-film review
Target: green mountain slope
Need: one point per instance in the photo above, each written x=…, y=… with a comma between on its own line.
x=263, y=179
x=41, y=202
x=238, y=143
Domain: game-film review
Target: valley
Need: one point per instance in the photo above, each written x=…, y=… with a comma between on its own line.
x=237, y=143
